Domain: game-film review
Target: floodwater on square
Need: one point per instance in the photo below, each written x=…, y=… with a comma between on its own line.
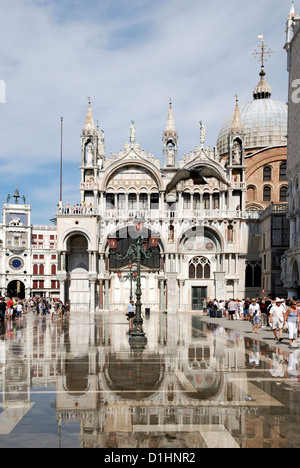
x=77, y=383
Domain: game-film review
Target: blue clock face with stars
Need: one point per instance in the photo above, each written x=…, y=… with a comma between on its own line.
x=16, y=263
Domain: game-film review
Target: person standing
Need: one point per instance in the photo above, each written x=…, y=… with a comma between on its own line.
x=254, y=310
x=276, y=318
x=246, y=309
x=263, y=310
x=10, y=308
x=232, y=309
x=19, y=310
x=131, y=313
x=222, y=307
x=2, y=309
x=52, y=311
x=292, y=320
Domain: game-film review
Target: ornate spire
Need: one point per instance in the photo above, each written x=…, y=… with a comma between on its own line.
x=170, y=130
x=237, y=126
x=293, y=11
x=89, y=126
x=263, y=90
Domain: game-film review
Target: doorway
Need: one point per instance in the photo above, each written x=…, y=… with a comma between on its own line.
x=198, y=296
x=16, y=289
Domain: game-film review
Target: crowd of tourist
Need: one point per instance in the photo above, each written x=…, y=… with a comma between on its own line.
x=278, y=314
x=14, y=308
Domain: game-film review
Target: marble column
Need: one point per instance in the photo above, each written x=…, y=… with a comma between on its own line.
x=106, y=294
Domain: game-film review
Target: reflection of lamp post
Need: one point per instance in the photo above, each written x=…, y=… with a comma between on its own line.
x=142, y=249
x=131, y=276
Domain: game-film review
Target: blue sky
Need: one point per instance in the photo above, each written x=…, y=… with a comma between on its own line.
x=130, y=57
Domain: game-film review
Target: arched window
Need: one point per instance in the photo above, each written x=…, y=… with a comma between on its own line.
x=216, y=201
x=110, y=201
x=35, y=269
x=143, y=201
x=282, y=171
x=283, y=194
x=154, y=201
x=121, y=201
x=267, y=194
x=253, y=275
x=196, y=199
x=267, y=174
x=186, y=201
x=199, y=268
x=132, y=201
x=53, y=269
x=42, y=269
x=206, y=201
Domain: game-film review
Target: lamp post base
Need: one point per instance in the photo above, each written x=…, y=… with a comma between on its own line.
x=137, y=339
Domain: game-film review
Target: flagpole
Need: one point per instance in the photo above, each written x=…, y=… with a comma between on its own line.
x=61, y=156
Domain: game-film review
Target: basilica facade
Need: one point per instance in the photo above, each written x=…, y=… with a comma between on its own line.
x=209, y=235
x=215, y=238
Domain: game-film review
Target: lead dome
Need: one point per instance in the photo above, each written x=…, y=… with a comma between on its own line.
x=264, y=121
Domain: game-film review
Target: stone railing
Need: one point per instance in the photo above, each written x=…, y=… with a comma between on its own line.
x=155, y=215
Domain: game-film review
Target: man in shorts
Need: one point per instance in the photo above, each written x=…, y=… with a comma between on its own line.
x=232, y=307
x=276, y=319
x=254, y=310
x=10, y=308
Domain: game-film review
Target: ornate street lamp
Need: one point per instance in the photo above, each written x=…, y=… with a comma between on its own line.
x=142, y=249
x=131, y=276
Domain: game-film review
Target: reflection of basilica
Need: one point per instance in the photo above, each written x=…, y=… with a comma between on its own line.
x=192, y=386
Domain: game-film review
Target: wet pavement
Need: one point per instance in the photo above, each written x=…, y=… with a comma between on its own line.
x=77, y=383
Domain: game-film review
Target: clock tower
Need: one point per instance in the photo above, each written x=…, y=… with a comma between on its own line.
x=16, y=247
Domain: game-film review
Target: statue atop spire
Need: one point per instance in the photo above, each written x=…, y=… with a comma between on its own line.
x=202, y=134
x=170, y=141
x=132, y=132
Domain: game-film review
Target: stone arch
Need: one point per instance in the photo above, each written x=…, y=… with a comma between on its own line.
x=126, y=235
x=75, y=232
x=132, y=163
x=77, y=248
x=206, y=231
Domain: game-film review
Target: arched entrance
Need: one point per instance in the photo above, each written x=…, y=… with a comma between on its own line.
x=118, y=266
x=78, y=288
x=202, y=261
x=295, y=293
x=16, y=288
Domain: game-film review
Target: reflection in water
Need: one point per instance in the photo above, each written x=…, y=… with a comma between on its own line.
x=78, y=383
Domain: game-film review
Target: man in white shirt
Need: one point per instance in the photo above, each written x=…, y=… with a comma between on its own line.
x=277, y=312
x=254, y=310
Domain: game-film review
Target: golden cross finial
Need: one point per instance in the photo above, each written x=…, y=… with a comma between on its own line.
x=262, y=51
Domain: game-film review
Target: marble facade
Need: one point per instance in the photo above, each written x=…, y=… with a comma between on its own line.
x=205, y=231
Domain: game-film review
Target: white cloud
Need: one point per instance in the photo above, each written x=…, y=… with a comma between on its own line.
x=130, y=61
